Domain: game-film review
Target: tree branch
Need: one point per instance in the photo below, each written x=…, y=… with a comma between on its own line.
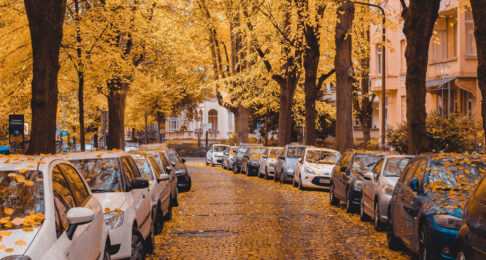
x=323, y=78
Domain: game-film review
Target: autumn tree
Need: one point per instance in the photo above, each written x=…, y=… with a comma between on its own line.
x=344, y=77
x=420, y=17
x=46, y=19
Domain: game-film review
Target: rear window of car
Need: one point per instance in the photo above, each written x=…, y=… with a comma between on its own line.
x=102, y=175
x=365, y=161
x=395, y=166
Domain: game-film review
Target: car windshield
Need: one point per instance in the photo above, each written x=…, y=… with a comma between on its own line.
x=21, y=199
x=102, y=175
x=256, y=153
x=321, y=157
x=295, y=152
x=394, y=166
x=219, y=148
x=365, y=161
x=144, y=167
x=457, y=174
x=274, y=153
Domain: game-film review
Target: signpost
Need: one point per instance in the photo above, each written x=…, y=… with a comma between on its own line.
x=16, y=133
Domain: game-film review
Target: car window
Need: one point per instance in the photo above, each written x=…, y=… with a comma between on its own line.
x=295, y=152
x=144, y=167
x=62, y=188
x=365, y=161
x=61, y=209
x=274, y=153
x=480, y=193
x=155, y=166
x=102, y=175
x=219, y=148
x=345, y=159
x=80, y=192
x=127, y=169
x=165, y=162
x=418, y=165
x=135, y=170
x=395, y=166
x=377, y=169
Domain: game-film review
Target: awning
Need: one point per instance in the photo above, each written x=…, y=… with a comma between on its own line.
x=439, y=84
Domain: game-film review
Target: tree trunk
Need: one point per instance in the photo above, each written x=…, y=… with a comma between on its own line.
x=82, y=139
x=46, y=19
x=344, y=73
x=116, y=114
x=311, y=64
x=420, y=17
x=479, y=14
x=242, y=124
x=287, y=90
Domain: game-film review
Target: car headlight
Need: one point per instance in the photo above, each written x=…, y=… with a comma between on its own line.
x=113, y=219
x=309, y=170
x=387, y=189
x=16, y=257
x=448, y=221
x=358, y=185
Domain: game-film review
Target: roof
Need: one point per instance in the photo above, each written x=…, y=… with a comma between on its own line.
x=321, y=148
x=23, y=162
x=94, y=155
x=439, y=84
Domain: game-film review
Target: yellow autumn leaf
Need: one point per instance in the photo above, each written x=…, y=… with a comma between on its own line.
x=5, y=233
x=2, y=247
x=8, y=211
x=29, y=183
x=9, y=250
x=107, y=210
x=20, y=243
x=27, y=229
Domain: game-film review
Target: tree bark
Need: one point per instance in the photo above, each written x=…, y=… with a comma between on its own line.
x=46, y=19
x=420, y=17
x=479, y=14
x=80, y=69
x=287, y=90
x=241, y=118
x=344, y=74
x=116, y=113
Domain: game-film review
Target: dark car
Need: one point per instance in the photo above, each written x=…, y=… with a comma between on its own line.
x=426, y=208
x=471, y=239
x=347, y=177
x=287, y=160
x=250, y=164
x=183, y=176
x=239, y=155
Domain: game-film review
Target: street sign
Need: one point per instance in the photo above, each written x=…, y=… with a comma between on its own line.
x=16, y=132
x=206, y=126
x=64, y=133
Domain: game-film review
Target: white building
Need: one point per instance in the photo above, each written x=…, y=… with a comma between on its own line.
x=218, y=120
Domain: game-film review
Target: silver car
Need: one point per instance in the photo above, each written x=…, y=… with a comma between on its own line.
x=214, y=155
x=229, y=157
x=378, y=188
x=268, y=162
x=284, y=170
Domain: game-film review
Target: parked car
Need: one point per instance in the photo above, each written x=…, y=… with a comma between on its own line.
x=378, y=188
x=239, y=155
x=214, y=154
x=116, y=182
x=158, y=187
x=49, y=212
x=184, y=181
x=162, y=160
x=344, y=184
x=268, y=162
x=229, y=157
x=251, y=160
x=471, y=239
x=286, y=162
x=426, y=208
x=313, y=170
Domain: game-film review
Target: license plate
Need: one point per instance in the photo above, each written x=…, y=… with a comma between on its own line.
x=322, y=180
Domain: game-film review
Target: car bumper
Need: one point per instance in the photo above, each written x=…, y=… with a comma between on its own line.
x=121, y=236
x=288, y=176
x=271, y=171
x=217, y=160
x=318, y=182
x=442, y=239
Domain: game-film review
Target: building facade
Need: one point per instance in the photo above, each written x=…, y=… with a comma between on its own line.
x=210, y=117
x=452, y=85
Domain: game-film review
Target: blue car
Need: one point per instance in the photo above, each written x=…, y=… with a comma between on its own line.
x=426, y=208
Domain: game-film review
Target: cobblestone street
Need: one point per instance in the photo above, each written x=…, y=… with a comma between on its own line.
x=234, y=216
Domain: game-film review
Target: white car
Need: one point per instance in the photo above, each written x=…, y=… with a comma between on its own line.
x=314, y=169
x=268, y=162
x=158, y=187
x=116, y=182
x=48, y=212
x=215, y=154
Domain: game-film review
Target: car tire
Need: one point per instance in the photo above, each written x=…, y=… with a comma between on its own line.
x=234, y=169
x=394, y=243
x=301, y=186
x=332, y=199
x=282, y=177
x=424, y=243
x=212, y=163
x=294, y=183
x=349, y=203
x=275, y=177
x=222, y=166
x=168, y=216
x=137, y=246
x=189, y=184
x=461, y=253
x=158, y=220
x=377, y=224
x=149, y=243
x=174, y=202
x=362, y=214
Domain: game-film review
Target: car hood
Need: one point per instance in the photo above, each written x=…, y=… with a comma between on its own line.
x=451, y=202
x=114, y=200
x=321, y=167
x=19, y=236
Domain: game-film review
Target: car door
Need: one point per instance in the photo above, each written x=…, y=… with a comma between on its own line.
x=396, y=213
x=70, y=192
x=163, y=186
x=263, y=161
x=369, y=188
x=340, y=185
x=171, y=172
x=141, y=198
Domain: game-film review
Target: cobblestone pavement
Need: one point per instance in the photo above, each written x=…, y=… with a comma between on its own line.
x=228, y=216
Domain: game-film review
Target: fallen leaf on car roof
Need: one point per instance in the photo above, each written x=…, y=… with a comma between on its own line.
x=20, y=243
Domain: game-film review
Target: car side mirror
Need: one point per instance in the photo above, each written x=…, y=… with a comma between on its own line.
x=78, y=216
x=183, y=160
x=368, y=176
x=163, y=177
x=344, y=169
x=414, y=184
x=139, y=183
x=168, y=169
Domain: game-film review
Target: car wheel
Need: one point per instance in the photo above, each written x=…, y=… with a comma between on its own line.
x=393, y=242
x=266, y=173
x=149, y=243
x=378, y=225
x=174, y=202
x=294, y=183
x=168, y=216
x=234, y=169
x=207, y=163
x=276, y=177
x=212, y=163
x=424, y=243
x=282, y=177
x=362, y=214
x=301, y=186
x=461, y=255
x=189, y=184
x=349, y=203
x=333, y=200
x=222, y=166
x=158, y=220
x=137, y=246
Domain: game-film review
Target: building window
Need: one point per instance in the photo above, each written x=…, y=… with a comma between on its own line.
x=379, y=59
x=470, y=40
x=403, y=61
x=213, y=119
x=174, y=124
x=443, y=44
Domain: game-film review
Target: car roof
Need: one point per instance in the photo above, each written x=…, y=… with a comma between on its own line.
x=321, y=148
x=94, y=155
x=25, y=162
